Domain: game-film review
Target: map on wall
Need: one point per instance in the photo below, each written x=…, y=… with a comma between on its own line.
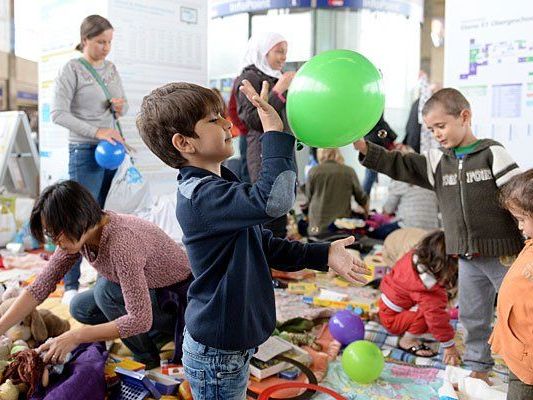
x=489, y=57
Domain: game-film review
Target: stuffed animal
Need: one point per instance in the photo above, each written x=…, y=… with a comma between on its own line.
x=36, y=327
x=28, y=370
x=8, y=391
x=5, y=347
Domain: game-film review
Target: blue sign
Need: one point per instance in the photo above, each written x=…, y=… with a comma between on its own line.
x=224, y=8
x=27, y=95
x=409, y=8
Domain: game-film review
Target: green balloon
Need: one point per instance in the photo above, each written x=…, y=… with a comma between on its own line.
x=335, y=99
x=362, y=361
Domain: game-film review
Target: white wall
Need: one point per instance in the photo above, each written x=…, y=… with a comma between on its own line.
x=227, y=39
x=297, y=28
x=489, y=57
x=27, y=34
x=4, y=26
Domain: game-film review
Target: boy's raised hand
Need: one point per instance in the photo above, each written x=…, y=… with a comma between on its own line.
x=360, y=146
x=269, y=117
x=345, y=263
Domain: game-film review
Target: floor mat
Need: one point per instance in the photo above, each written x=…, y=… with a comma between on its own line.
x=397, y=382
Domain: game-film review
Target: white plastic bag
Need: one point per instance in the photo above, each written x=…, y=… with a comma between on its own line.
x=8, y=227
x=129, y=192
x=163, y=214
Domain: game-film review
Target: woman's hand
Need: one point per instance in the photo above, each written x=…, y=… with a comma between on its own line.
x=345, y=263
x=57, y=348
x=283, y=83
x=118, y=104
x=270, y=119
x=109, y=134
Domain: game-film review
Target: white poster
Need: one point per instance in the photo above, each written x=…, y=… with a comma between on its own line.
x=157, y=42
x=59, y=37
x=489, y=58
x=154, y=42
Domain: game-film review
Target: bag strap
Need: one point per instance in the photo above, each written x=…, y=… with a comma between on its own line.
x=102, y=84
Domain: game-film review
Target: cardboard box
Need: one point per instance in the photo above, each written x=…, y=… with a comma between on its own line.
x=302, y=288
x=264, y=364
x=163, y=383
x=364, y=304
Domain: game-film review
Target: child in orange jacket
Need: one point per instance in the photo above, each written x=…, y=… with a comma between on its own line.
x=513, y=333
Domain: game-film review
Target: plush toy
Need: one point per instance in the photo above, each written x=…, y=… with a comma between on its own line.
x=27, y=368
x=8, y=391
x=5, y=347
x=10, y=292
x=36, y=327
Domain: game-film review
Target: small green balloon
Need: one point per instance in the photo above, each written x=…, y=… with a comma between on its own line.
x=335, y=99
x=362, y=361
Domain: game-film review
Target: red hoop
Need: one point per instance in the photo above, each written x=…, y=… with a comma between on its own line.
x=291, y=385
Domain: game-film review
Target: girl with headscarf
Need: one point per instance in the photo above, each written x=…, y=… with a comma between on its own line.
x=264, y=60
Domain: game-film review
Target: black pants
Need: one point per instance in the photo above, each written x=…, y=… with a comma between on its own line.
x=518, y=390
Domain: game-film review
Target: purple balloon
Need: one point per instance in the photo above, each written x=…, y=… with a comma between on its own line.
x=346, y=327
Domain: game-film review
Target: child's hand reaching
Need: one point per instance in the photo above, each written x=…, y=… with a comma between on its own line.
x=452, y=356
x=360, y=146
x=345, y=263
x=268, y=115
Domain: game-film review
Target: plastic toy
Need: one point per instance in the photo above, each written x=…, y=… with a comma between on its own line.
x=109, y=156
x=362, y=361
x=346, y=327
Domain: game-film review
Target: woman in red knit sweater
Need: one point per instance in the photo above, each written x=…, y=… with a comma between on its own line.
x=414, y=298
x=138, y=267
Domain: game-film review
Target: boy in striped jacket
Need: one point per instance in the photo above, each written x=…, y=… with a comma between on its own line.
x=466, y=174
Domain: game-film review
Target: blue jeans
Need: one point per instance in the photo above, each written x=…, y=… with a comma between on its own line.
x=383, y=231
x=82, y=168
x=104, y=303
x=215, y=374
x=370, y=178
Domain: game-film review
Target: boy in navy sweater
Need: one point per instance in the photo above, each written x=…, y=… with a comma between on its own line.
x=231, y=307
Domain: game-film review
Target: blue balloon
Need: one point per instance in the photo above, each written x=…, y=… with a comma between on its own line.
x=109, y=156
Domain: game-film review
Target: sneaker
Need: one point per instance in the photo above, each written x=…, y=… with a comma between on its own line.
x=68, y=296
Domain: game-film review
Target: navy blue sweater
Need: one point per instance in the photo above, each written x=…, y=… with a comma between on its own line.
x=231, y=300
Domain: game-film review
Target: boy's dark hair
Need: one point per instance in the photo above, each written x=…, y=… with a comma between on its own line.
x=431, y=252
x=450, y=99
x=65, y=208
x=92, y=26
x=171, y=109
x=518, y=193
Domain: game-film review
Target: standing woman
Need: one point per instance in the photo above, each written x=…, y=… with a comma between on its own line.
x=264, y=60
x=82, y=106
x=329, y=189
